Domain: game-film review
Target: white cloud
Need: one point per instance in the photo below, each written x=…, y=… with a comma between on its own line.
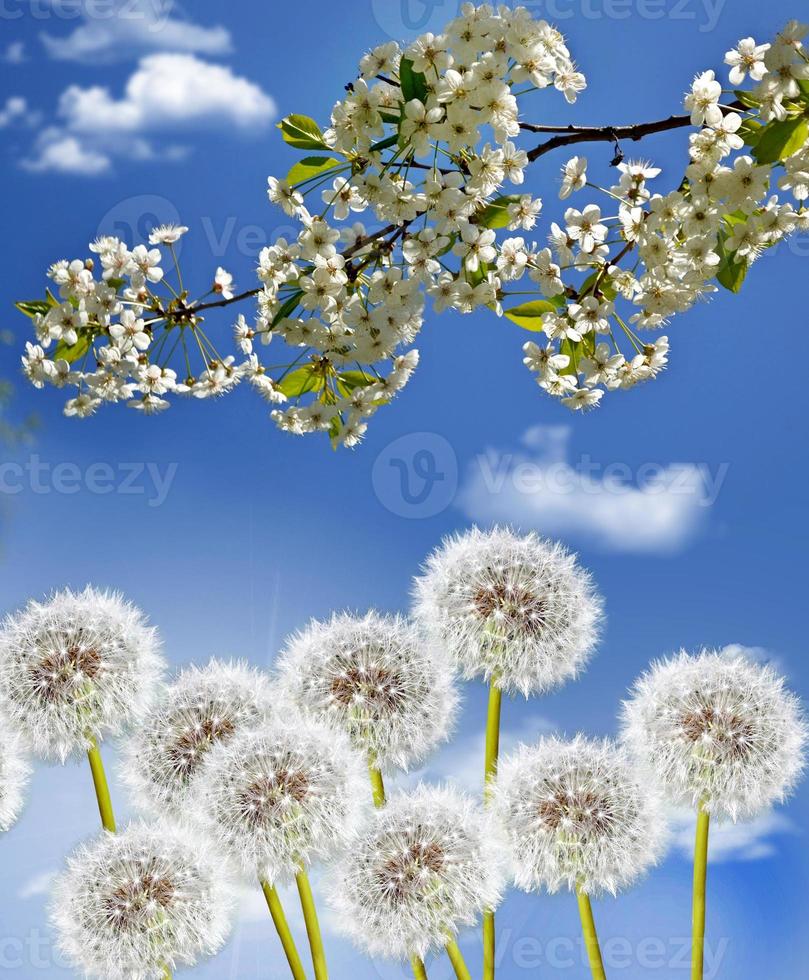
x=179, y=92
x=128, y=28
x=39, y=884
x=169, y=90
x=752, y=840
x=65, y=154
x=653, y=509
x=16, y=108
x=14, y=53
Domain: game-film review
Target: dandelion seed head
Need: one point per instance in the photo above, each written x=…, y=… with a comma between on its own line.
x=203, y=707
x=132, y=903
x=513, y=608
x=282, y=796
x=578, y=815
x=378, y=679
x=14, y=774
x=719, y=729
x=425, y=866
x=79, y=667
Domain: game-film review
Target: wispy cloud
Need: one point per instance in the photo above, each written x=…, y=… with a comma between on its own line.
x=177, y=92
x=653, y=508
x=461, y=761
x=58, y=152
x=39, y=884
x=14, y=53
x=752, y=840
x=14, y=110
x=129, y=28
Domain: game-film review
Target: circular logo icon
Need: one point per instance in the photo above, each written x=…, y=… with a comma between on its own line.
x=133, y=219
x=403, y=20
x=416, y=476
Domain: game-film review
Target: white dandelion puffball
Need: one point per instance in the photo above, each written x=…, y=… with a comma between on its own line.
x=426, y=865
x=578, y=815
x=14, y=774
x=378, y=679
x=132, y=904
x=283, y=795
x=77, y=668
x=202, y=708
x=718, y=729
x=516, y=610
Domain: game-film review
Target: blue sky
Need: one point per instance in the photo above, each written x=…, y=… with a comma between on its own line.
x=230, y=534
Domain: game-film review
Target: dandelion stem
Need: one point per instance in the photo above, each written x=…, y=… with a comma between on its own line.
x=457, y=960
x=492, y=752
x=419, y=972
x=101, y=787
x=282, y=927
x=590, y=936
x=377, y=784
x=700, y=880
x=312, y=926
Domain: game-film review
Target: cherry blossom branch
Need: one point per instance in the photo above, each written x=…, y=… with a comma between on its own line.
x=565, y=136
x=568, y=135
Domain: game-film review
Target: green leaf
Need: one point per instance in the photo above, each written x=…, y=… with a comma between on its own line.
x=414, y=84
x=780, y=140
x=310, y=167
x=71, y=354
x=288, y=307
x=335, y=428
x=303, y=133
x=116, y=284
x=529, y=315
x=605, y=286
x=347, y=381
x=33, y=307
x=571, y=348
x=731, y=271
x=495, y=214
x=301, y=381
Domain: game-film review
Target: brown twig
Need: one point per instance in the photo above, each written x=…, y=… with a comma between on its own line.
x=568, y=135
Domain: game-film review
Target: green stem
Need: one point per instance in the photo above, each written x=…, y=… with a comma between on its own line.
x=101, y=787
x=590, y=936
x=457, y=960
x=492, y=753
x=312, y=926
x=377, y=784
x=700, y=882
x=419, y=971
x=282, y=928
